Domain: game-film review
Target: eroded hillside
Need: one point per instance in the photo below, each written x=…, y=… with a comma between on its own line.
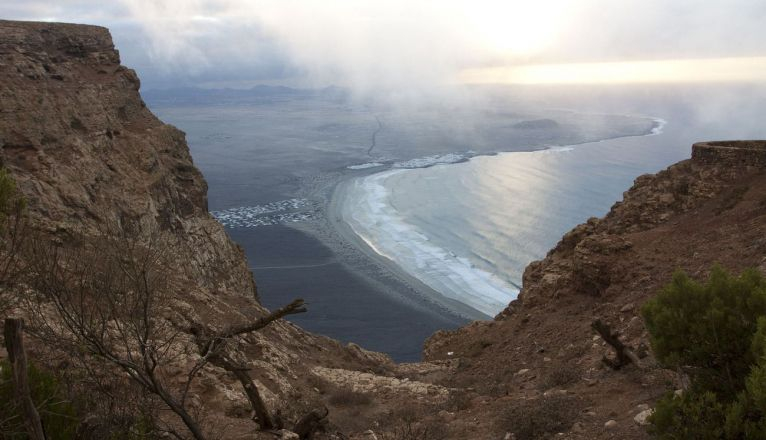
x=89, y=156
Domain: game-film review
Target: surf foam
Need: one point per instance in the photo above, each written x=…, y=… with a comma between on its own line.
x=367, y=209
x=283, y=211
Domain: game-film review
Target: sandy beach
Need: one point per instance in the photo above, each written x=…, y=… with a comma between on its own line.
x=347, y=234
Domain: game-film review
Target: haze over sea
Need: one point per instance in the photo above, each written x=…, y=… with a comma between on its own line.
x=335, y=199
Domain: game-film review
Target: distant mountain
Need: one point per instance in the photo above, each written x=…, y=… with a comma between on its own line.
x=230, y=95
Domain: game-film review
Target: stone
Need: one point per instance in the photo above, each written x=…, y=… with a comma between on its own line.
x=627, y=308
x=370, y=435
x=284, y=434
x=553, y=392
x=610, y=424
x=642, y=418
x=376, y=384
x=444, y=414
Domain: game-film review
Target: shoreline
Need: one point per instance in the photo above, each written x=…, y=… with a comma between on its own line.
x=337, y=194
x=451, y=158
x=346, y=233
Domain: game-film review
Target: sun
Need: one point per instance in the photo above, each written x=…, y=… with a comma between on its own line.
x=515, y=28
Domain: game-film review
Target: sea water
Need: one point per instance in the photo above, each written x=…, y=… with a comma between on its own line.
x=261, y=158
x=469, y=229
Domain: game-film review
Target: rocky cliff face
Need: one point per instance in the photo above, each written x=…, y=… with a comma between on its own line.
x=85, y=150
x=88, y=155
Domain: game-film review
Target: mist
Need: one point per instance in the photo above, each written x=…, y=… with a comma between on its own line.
x=398, y=48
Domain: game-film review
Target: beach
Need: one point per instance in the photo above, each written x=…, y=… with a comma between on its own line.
x=466, y=230
x=280, y=170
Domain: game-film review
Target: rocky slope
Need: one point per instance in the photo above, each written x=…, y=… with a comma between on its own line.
x=87, y=155
x=86, y=152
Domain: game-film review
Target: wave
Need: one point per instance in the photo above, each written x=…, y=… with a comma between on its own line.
x=364, y=166
x=367, y=210
x=283, y=211
x=659, y=126
x=366, y=206
x=437, y=159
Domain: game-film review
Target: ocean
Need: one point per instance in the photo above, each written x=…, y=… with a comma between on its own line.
x=469, y=229
x=395, y=222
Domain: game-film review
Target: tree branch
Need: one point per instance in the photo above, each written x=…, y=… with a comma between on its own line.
x=295, y=307
x=624, y=354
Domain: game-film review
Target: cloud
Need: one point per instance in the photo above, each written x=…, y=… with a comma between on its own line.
x=396, y=45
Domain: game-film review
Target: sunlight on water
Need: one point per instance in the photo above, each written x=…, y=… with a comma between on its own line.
x=468, y=230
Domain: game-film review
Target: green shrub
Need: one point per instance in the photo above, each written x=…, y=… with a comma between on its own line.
x=695, y=415
x=58, y=415
x=707, y=329
x=716, y=333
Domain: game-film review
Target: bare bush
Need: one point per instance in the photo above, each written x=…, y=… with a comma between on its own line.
x=13, y=230
x=535, y=419
x=559, y=377
x=100, y=301
x=413, y=422
x=346, y=397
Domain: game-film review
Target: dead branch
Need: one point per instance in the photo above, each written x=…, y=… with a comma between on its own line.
x=262, y=415
x=297, y=306
x=213, y=349
x=107, y=293
x=624, y=353
x=14, y=343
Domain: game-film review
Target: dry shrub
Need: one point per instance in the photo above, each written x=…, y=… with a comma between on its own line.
x=559, y=377
x=536, y=419
x=459, y=400
x=346, y=397
x=13, y=232
x=412, y=422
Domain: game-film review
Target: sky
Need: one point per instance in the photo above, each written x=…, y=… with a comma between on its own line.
x=379, y=46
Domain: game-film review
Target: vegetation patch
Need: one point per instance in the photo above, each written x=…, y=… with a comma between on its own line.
x=346, y=397
x=57, y=413
x=560, y=377
x=715, y=334
x=535, y=419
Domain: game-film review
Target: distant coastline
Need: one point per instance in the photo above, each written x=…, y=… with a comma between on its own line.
x=467, y=290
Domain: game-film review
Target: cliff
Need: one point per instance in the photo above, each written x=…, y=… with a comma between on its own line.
x=87, y=153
